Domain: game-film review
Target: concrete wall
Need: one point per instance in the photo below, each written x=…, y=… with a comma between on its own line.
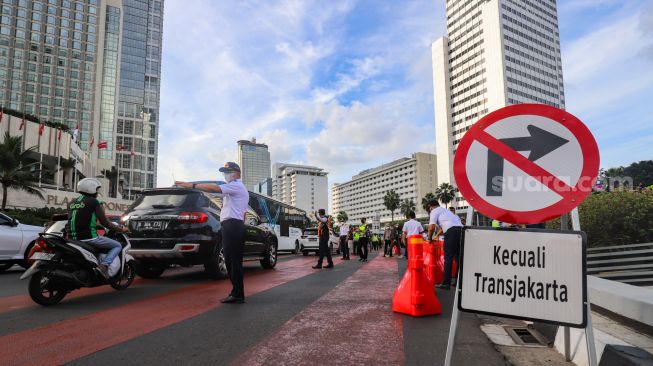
x=59, y=199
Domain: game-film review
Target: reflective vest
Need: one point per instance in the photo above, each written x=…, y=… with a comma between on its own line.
x=324, y=226
x=361, y=231
x=496, y=223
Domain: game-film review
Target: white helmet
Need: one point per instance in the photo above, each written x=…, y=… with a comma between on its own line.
x=89, y=185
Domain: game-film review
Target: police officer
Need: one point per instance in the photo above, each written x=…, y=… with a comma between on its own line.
x=363, y=239
x=323, y=230
x=232, y=216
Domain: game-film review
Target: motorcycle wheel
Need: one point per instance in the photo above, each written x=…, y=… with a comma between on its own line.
x=128, y=275
x=41, y=294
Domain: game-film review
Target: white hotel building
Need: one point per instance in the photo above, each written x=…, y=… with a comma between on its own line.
x=496, y=53
x=412, y=178
x=302, y=186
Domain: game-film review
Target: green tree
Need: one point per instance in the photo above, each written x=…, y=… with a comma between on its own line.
x=16, y=170
x=342, y=216
x=391, y=202
x=112, y=176
x=445, y=193
x=425, y=200
x=406, y=206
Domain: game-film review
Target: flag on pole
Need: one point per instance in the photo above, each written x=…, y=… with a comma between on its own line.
x=59, y=137
x=92, y=141
x=2, y=113
x=119, y=147
x=132, y=153
x=76, y=134
x=102, y=145
x=41, y=127
x=22, y=123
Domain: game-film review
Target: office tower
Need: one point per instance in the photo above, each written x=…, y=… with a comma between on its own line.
x=137, y=125
x=302, y=186
x=254, y=161
x=412, y=178
x=496, y=53
x=58, y=59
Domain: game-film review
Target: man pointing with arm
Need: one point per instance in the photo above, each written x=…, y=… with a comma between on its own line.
x=232, y=216
x=450, y=225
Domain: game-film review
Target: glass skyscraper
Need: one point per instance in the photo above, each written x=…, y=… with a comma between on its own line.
x=138, y=101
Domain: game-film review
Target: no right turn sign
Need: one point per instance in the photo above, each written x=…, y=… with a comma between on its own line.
x=526, y=163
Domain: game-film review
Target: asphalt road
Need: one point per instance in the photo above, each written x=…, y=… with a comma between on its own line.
x=294, y=315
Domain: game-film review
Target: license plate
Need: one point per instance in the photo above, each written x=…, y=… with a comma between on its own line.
x=312, y=239
x=151, y=225
x=42, y=256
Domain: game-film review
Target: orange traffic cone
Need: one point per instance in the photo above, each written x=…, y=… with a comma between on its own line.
x=415, y=294
x=430, y=261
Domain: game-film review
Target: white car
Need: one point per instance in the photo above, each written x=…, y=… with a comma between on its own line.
x=309, y=242
x=16, y=240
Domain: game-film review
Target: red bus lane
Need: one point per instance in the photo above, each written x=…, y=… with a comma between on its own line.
x=90, y=333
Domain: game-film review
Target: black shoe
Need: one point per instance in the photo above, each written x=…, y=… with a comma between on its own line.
x=360, y=259
x=316, y=267
x=443, y=286
x=231, y=299
x=365, y=260
x=329, y=266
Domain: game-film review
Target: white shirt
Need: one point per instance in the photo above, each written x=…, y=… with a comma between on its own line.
x=235, y=201
x=344, y=229
x=444, y=219
x=412, y=227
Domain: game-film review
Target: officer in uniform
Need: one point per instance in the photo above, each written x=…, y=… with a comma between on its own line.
x=449, y=225
x=232, y=216
x=323, y=229
x=363, y=239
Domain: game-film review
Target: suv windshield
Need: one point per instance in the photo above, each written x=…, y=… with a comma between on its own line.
x=161, y=200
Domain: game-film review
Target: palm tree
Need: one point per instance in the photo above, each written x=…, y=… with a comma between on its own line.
x=425, y=200
x=112, y=176
x=407, y=206
x=15, y=168
x=445, y=193
x=65, y=165
x=391, y=202
x=342, y=216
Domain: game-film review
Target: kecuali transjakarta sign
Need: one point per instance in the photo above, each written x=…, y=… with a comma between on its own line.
x=536, y=275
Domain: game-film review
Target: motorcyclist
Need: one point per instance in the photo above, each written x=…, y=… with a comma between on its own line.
x=83, y=213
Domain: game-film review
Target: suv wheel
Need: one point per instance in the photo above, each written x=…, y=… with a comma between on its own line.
x=270, y=258
x=304, y=253
x=296, y=251
x=147, y=270
x=216, y=266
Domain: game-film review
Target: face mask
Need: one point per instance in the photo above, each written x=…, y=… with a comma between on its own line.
x=229, y=177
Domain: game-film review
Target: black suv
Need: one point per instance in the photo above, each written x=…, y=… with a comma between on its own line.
x=182, y=226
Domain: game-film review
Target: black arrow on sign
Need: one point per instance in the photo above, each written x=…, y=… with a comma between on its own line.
x=539, y=143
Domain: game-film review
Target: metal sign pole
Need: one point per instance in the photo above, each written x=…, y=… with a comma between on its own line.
x=589, y=330
x=453, y=326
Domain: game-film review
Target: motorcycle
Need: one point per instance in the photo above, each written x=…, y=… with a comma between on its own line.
x=62, y=265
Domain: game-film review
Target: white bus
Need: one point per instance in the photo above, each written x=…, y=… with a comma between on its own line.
x=287, y=222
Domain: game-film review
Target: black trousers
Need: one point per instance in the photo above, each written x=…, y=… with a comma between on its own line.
x=324, y=251
x=344, y=247
x=362, y=247
x=452, y=239
x=233, y=244
x=387, y=248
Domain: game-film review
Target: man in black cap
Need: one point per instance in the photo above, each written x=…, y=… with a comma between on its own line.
x=323, y=229
x=232, y=216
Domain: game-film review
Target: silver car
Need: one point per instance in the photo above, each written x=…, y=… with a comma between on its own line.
x=309, y=242
x=16, y=240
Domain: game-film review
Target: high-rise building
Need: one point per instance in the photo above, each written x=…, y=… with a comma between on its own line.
x=137, y=125
x=58, y=62
x=412, y=178
x=496, y=53
x=254, y=161
x=302, y=186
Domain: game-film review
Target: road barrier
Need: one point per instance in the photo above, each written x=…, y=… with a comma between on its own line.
x=415, y=294
x=631, y=264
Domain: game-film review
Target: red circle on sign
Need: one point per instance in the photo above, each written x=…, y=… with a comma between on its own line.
x=568, y=201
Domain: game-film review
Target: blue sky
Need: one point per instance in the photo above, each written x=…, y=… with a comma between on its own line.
x=347, y=85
